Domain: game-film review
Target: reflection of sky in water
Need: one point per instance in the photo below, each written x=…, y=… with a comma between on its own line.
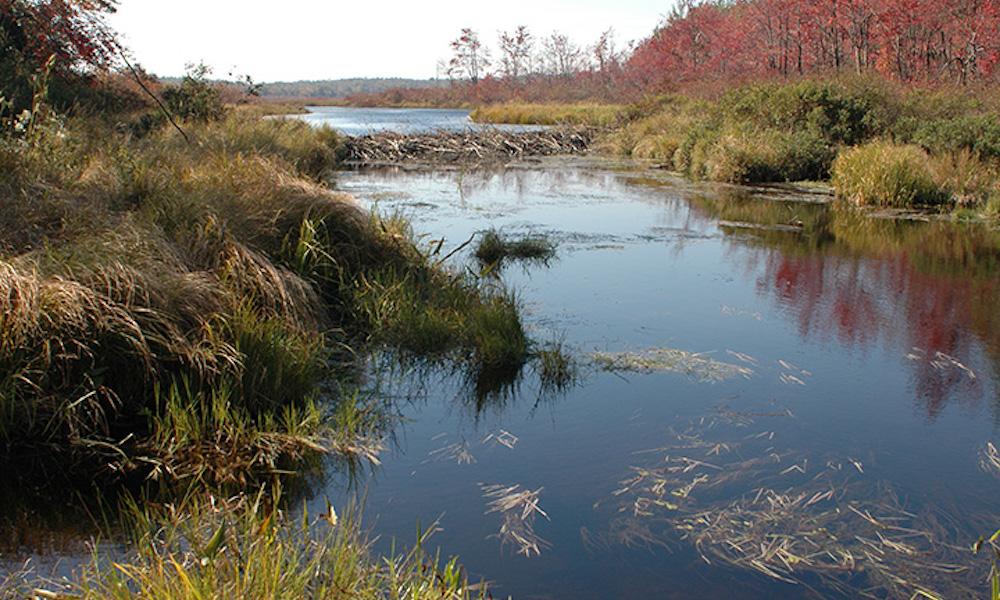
x=641, y=266
x=360, y=121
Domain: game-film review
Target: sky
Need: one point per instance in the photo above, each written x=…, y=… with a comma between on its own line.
x=314, y=39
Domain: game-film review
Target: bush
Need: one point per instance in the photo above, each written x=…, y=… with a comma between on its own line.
x=765, y=156
x=979, y=134
x=195, y=99
x=884, y=174
x=843, y=112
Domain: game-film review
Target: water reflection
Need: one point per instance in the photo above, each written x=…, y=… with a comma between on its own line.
x=927, y=289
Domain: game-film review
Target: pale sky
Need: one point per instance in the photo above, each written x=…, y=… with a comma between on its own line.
x=313, y=39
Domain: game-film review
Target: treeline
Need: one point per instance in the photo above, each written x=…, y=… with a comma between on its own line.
x=521, y=66
x=955, y=41
x=340, y=88
x=717, y=43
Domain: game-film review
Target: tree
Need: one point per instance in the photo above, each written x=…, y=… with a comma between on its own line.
x=72, y=32
x=470, y=59
x=516, y=49
x=561, y=56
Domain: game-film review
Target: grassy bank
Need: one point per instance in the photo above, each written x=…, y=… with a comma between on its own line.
x=880, y=144
x=189, y=311
x=596, y=115
x=182, y=314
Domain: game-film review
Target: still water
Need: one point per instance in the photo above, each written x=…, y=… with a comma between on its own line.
x=361, y=121
x=841, y=457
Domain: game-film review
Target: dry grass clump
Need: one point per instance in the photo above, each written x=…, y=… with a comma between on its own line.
x=884, y=174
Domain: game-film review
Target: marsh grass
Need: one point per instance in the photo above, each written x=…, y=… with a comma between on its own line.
x=888, y=175
x=944, y=148
x=494, y=248
x=557, y=369
x=250, y=547
x=595, y=115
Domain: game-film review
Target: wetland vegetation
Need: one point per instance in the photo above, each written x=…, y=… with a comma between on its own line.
x=222, y=347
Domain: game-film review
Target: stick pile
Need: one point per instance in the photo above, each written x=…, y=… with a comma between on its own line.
x=488, y=145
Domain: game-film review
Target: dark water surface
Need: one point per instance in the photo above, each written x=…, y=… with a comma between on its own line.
x=871, y=351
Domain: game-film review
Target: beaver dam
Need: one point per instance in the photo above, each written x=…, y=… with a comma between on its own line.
x=487, y=145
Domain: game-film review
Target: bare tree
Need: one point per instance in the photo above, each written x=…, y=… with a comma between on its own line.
x=516, y=52
x=470, y=59
x=560, y=55
x=606, y=56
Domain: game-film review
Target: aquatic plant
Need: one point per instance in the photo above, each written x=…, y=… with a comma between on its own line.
x=494, y=248
x=556, y=368
x=741, y=501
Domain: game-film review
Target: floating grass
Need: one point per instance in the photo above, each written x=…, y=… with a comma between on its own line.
x=697, y=365
x=518, y=508
x=741, y=502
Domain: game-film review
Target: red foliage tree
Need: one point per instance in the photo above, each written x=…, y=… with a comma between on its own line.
x=908, y=40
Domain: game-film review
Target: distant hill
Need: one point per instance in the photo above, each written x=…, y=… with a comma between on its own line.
x=342, y=88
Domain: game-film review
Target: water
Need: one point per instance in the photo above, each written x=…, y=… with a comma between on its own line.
x=361, y=121
x=888, y=338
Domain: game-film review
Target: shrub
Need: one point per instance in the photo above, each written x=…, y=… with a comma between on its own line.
x=979, y=134
x=766, y=156
x=195, y=98
x=843, y=112
x=884, y=174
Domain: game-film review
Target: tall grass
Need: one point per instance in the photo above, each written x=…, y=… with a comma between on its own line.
x=251, y=548
x=885, y=174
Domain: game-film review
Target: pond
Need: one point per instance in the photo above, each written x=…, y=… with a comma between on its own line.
x=775, y=398
x=361, y=121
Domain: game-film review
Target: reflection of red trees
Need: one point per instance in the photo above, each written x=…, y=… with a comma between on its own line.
x=864, y=302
